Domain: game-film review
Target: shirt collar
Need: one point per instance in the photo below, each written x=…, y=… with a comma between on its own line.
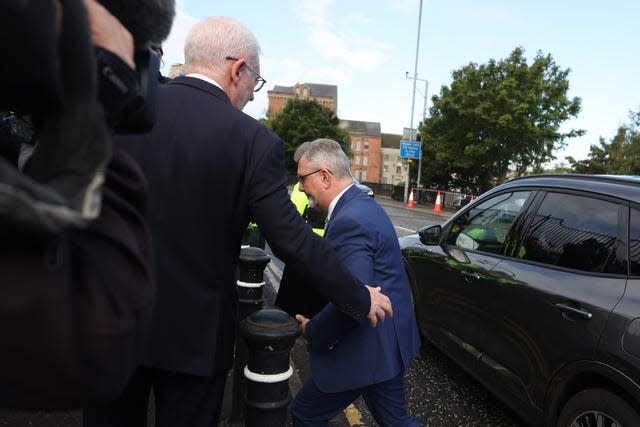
x=334, y=202
x=205, y=78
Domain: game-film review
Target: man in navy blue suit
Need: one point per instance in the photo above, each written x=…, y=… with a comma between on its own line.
x=211, y=169
x=348, y=358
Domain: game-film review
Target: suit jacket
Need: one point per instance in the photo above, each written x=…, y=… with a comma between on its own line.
x=211, y=168
x=75, y=309
x=347, y=354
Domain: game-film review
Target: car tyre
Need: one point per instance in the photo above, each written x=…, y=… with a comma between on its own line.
x=597, y=406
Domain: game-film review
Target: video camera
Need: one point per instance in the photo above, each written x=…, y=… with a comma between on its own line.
x=73, y=96
x=130, y=98
x=30, y=71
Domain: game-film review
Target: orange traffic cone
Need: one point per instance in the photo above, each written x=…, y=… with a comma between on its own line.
x=437, y=207
x=410, y=202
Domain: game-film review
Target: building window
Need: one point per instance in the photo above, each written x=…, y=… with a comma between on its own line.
x=385, y=168
x=357, y=159
x=384, y=180
x=397, y=169
x=305, y=92
x=357, y=145
x=386, y=157
x=366, y=146
x=363, y=176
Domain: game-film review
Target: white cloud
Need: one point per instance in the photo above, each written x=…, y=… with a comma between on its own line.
x=340, y=47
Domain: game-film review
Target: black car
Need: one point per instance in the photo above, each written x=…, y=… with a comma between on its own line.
x=364, y=188
x=534, y=289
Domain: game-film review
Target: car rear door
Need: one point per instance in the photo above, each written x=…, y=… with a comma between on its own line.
x=557, y=289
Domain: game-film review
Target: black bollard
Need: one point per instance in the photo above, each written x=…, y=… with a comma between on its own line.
x=250, y=281
x=250, y=284
x=269, y=334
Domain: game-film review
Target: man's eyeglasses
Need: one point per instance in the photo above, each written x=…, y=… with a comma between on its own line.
x=302, y=177
x=259, y=80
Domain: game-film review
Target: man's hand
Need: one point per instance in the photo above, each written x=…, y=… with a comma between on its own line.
x=108, y=33
x=380, y=304
x=303, y=323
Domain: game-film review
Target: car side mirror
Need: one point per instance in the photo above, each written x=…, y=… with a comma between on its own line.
x=430, y=235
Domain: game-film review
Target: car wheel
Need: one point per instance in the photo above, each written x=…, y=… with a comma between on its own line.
x=597, y=407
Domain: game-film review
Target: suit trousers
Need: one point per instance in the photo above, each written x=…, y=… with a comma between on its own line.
x=181, y=400
x=386, y=402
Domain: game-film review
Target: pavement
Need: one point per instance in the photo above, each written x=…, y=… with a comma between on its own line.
x=299, y=362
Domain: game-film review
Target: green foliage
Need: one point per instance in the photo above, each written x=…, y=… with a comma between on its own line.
x=621, y=156
x=265, y=122
x=304, y=120
x=500, y=115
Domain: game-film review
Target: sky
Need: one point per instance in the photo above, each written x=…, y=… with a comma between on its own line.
x=367, y=47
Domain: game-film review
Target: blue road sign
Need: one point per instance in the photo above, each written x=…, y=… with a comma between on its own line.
x=410, y=149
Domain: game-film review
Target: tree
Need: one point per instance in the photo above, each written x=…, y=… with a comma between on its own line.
x=304, y=120
x=500, y=115
x=621, y=156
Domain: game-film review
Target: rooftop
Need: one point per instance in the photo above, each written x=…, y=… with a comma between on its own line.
x=356, y=127
x=315, y=89
x=390, y=140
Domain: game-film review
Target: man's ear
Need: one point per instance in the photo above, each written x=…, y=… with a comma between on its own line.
x=326, y=179
x=235, y=69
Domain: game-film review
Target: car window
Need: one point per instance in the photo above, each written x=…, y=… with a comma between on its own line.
x=634, y=242
x=576, y=232
x=485, y=226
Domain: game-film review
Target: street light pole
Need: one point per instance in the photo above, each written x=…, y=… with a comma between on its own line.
x=413, y=102
x=424, y=117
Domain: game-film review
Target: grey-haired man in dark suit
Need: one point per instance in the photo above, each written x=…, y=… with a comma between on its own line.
x=211, y=169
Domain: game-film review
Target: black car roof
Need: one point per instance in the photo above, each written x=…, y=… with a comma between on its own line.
x=621, y=186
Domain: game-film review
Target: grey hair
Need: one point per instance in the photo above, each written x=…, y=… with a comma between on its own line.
x=214, y=39
x=325, y=153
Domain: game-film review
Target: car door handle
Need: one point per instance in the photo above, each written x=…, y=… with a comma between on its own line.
x=575, y=312
x=470, y=275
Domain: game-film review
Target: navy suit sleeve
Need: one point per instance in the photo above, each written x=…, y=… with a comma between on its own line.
x=291, y=239
x=354, y=245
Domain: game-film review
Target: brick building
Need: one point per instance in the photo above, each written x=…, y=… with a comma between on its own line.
x=366, y=142
x=375, y=156
x=325, y=95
